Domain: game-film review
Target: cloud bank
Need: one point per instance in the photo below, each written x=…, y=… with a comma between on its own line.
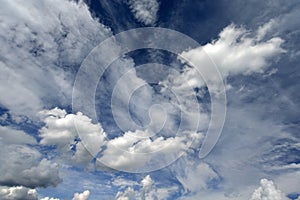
x=42, y=44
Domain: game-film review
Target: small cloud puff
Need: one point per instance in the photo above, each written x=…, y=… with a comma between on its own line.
x=144, y=11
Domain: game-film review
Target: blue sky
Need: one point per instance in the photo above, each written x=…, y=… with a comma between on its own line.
x=136, y=131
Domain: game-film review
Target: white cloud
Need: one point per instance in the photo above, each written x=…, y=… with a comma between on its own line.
x=268, y=191
x=60, y=131
x=288, y=182
x=9, y=135
x=144, y=11
x=124, y=153
x=24, y=193
x=148, y=190
x=235, y=52
x=21, y=164
x=49, y=198
x=195, y=177
x=128, y=152
x=82, y=196
x=41, y=44
x=18, y=193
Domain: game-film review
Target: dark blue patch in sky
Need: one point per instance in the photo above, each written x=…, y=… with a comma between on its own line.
x=293, y=196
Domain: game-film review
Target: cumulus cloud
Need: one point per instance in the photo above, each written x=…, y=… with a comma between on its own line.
x=18, y=193
x=82, y=196
x=23, y=165
x=61, y=130
x=147, y=190
x=43, y=40
x=24, y=193
x=237, y=51
x=267, y=191
x=127, y=152
x=144, y=11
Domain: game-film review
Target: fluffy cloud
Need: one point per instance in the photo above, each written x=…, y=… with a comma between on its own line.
x=147, y=191
x=43, y=40
x=144, y=11
x=62, y=129
x=127, y=153
x=82, y=196
x=23, y=193
x=23, y=165
x=236, y=51
x=268, y=191
x=18, y=193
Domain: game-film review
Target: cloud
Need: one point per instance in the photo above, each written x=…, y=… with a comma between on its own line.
x=128, y=152
x=144, y=11
x=268, y=191
x=23, y=165
x=82, y=196
x=23, y=193
x=288, y=182
x=18, y=193
x=50, y=40
x=61, y=130
x=237, y=51
x=195, y=177
x=125, y=152
x=147, y=190
x=12, y=136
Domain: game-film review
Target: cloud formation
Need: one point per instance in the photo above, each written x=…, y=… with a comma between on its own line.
x=42, y=44
x=267, y=191
x=23, y=165
x=24, y=193
x=237, y=51
x=18, y=193
x=61, y=130
x=82, y=196
x=144, y=11
x=125, y=152
x=147, y=190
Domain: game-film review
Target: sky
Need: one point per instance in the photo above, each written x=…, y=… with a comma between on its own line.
x=149, y=100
